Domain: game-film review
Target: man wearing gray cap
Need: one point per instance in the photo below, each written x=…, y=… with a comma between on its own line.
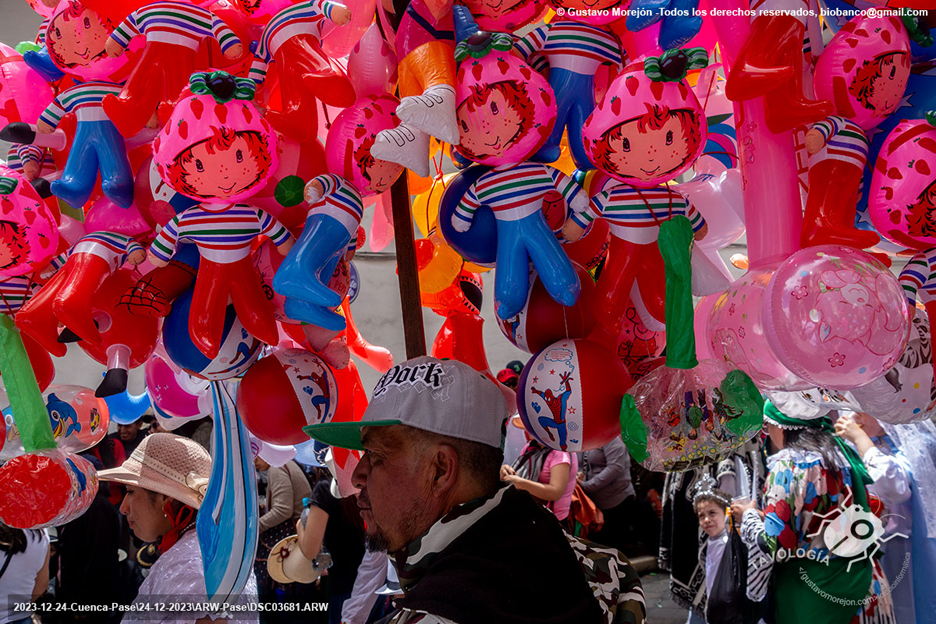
x=468, y=548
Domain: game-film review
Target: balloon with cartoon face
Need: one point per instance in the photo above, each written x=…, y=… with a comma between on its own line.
x=505, y=110
x=349, y=141
x=646, y=131
x=28, y=231
x=506, y=15
x=902, y=198
x=864, y=69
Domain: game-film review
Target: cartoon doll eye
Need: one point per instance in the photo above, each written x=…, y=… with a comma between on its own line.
x=893, y=72
x=625, y=144
x=87, y=23
x=669, y=137
x=240, y=156
x=199, y=166
x=494, y=108
x=58, y=33
x=464, y=126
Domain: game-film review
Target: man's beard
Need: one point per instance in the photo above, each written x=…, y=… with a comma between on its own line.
x=376, y=541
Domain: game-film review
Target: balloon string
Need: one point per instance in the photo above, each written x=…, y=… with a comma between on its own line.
x=708, y=91
x=327, y=120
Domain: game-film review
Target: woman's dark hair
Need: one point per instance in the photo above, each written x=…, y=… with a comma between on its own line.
x=14, y=541
x=809, y=439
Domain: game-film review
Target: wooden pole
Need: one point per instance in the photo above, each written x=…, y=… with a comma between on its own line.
x=407, y=274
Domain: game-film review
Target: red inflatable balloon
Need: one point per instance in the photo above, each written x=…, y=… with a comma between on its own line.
x=284, y=392
x=544, y=320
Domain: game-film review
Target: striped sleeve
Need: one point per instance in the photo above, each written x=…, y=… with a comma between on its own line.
x=324, y=7
x=330, y=184
x=593, y=211
x=532, y=42
x=272, y=228
x=126, y=31
x=569, y=188
x=225, y=36
x=133, y=246
x=829, y=127
x=760, y=559
x=164, y=246
x=53, y=113
x=258, y=70
x=695, y=217
x=466, y=208
x=43, y=29
x=913, y=276
x=59, y=261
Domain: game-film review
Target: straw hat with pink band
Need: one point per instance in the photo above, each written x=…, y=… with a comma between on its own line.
x=167, y=464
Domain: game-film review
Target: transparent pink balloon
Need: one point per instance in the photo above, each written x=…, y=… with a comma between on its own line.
x=736, y=334
x=836, y=316
x=106, y=216
x=339, y=42
x=372, y=65
x=23, y=92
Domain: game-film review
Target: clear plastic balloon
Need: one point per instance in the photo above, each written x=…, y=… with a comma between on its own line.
x=45, y=488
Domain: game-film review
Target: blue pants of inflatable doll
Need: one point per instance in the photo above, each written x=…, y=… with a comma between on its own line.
x=574, y=103
x=40, y=62
x=303, y=276
x=679, y=25
x=97, y=147
x=518, y=243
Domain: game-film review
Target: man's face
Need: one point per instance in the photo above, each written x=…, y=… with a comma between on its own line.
x=128, y=432
x=395, y=483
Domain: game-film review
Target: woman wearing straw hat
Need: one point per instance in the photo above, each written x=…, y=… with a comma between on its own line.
x=166, y=478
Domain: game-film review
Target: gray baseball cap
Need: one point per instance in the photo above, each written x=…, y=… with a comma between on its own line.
x=442, y=396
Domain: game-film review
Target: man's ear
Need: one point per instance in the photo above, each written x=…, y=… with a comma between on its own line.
x=445, y=468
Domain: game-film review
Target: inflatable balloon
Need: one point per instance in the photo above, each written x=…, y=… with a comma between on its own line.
x=79, y=419
x=505, y=110
x=126, y=340
x=238, y=350
x=841, y=303
x=273, y=454
x=281, y=196
x=73, y=293
x=28, y=230
x=106, y=216
x=292, y=39
x=45, y=488
x=24, y=94
x=907, y=392
x=479, y=243
x=218, y=149
x=638, y=347
x=352, y=133
x=571, y=416
x=592, y=249
x=165, y=388
x=126, y=408
x=342, y=40
x=372, y=66
x=75, y=39
x=330, y=234
x=260, y=12
x=864, y=69
x=501, y=17
x=164, y=67
x=736, y=333
x=543, y=321
x=902, y=198
x=284, y=392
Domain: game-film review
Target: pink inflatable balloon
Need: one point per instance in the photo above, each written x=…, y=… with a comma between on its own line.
x=349, y=141
x=639, y=115
x=372, y=65
x=836, y=317
x=902, y=198
x=703, y=311
x=23, y=92
x=736, y=334
x=29, y=233
x=259, y=12
x=71, y=229
x=163, y=387
x=501, y=81
x=106, y=216
x=79, y=51
x=39, y=7
x=500, y=16
x=864, y=69
x=339, y=42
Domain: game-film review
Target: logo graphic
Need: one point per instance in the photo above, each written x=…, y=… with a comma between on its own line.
x=430, y=376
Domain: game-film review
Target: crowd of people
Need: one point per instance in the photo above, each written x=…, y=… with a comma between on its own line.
x=476, y=534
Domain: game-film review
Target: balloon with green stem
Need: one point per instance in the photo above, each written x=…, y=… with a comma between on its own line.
x=45, y=486
x=687, y=413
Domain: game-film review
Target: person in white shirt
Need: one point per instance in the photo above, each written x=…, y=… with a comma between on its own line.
x=24, y=571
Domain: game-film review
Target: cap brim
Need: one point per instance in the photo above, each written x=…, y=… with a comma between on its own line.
x=345, y=435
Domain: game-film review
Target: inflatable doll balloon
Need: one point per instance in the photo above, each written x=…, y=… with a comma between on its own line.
x=907, y=392
x=75, y=37
x=543, y=321
x=902, y=198
x=106, y=216
x=771, y=64
x=687, y=413
x=167, y=393
x=70, y=296
x=330, y=234
x=736, y=333
x=372, y=66
x=24, y=92
x=569, y=395
x=284, y=392
x=260, y=12
x=126, y=341
x=238, y=350
x=217, y=149
x=574, y=46
x=79, y=419
x=292, y=39
x=29, y=231
x=841, y=303
x=173, y=32
x=506, y=17
x=638, y=347
x=679, y=20
x=646, y=130
x=349, y=142
x=479, y=243
x=423, y=43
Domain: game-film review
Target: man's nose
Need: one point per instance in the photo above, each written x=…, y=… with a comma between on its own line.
x=359, y=476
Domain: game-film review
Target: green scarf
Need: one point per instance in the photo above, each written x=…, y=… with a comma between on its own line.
x=860, y=477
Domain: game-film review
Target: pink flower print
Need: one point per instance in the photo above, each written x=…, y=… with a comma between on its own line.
x=731, y=309
x=799, y=292
x=741, y=332
x=837, y=360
